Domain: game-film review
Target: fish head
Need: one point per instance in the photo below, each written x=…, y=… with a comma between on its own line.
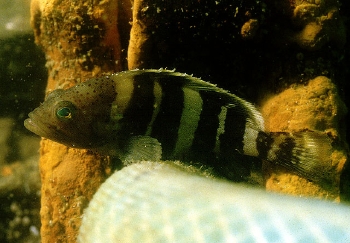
x=71, y=116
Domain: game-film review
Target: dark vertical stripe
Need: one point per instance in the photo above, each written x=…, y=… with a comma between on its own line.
x=286, y=152
x=277, y=147
x=139, y=112
x=166, y=125
x=264, y=144
x=205, y=136
x=232, y=139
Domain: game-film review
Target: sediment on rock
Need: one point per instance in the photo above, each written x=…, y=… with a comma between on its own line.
x=81, y=39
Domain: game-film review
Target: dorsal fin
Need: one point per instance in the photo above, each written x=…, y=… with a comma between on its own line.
x=188, y=81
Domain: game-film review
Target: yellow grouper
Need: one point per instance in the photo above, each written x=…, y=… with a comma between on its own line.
x=162, y=114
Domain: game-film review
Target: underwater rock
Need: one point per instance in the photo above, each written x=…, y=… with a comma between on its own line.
x=320, y=23
x=315, y=106
x=80, y=40
x=249, y=29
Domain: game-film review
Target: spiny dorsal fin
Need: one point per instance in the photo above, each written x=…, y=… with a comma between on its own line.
x=255, y=117
x=188, y=81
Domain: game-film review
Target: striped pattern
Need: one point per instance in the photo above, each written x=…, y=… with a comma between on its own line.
x=167, y=123
x=193, y=104
x=139, y=112
x=195, y=121
x=192, y=121
x=153, y=114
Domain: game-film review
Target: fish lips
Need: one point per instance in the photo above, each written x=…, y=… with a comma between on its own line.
x=34, y=125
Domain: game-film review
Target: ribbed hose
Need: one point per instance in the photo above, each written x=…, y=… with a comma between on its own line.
x=158, y=202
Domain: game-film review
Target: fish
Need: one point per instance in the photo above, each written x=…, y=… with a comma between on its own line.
x=167, y=115
x=162, y=202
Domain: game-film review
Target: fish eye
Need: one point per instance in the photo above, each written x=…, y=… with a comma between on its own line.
x=65, y=111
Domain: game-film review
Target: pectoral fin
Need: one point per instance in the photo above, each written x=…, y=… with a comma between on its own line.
x=141, y=148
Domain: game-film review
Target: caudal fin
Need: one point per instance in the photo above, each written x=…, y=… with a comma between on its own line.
x=306, y=153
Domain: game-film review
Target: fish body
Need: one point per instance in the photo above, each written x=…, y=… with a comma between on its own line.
x=162, y=114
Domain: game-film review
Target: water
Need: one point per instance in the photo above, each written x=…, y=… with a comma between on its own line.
x=22, y=83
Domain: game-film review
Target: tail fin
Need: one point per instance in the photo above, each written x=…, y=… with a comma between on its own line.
x=307, y=153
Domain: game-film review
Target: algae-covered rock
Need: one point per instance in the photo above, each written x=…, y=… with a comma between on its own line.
x=315, y=106
x=313, y=23
x=80, y=39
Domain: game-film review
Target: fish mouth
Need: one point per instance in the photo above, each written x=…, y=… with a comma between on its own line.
x=39, y=125
x=35, y=124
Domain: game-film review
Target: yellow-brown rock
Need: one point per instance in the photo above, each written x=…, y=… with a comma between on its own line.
x=80, y=40
x=320, y=23
x=315, y=106
x=249, y=29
